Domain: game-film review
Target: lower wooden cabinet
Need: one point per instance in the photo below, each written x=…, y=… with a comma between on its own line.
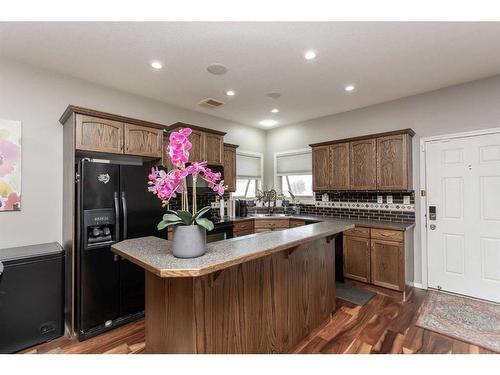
x=380, y=257
x=387, y=264
x=357, y=258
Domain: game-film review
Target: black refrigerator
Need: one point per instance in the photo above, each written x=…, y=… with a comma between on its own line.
x=113, y=204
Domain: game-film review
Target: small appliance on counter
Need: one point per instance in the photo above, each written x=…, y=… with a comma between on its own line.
x=241, y=208
x=31, y=295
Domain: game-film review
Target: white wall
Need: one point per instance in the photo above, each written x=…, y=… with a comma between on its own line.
x=475, y=105
x=38, y=98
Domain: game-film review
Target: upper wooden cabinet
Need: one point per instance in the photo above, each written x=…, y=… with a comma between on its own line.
x=98, y=135
x=321, y=168
x=363, y=164
x=230, y=166
x=373, y=162
x=143, y=141
x=207, y=144
x=214, y=148
x=393, y=162
x=339, y=159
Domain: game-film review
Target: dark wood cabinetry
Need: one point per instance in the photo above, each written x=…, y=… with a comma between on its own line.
x=207, y=144
x=382, y=257
x=373, y=162
x=393, y=159
x=98, y=134
x=387, y=265
x=143, y=141
x=321, y=168
x=339, y=171
x=230, y=166
x=357, y=258
x=363, y=164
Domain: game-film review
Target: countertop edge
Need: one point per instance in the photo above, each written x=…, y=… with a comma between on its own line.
x=197, y=272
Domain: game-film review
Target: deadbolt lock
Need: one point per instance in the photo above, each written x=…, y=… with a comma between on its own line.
x=433, y=226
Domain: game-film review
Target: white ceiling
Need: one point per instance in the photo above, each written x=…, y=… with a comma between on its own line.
x=385, y=61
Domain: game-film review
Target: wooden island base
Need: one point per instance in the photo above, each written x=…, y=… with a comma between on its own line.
x=266, y=305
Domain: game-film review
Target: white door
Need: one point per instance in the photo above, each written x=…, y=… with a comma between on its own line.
x=463, y=184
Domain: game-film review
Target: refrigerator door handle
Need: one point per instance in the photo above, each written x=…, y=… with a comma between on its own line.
x=124, y=209
x=117, y=218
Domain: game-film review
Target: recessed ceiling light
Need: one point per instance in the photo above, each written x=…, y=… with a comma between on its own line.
x=310, y=55
x=268, y=122
x=230, y=93
x=275, y=110
x=156, y=65
x=349, y=88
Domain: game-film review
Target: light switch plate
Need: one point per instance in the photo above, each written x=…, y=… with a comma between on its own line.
x=380, y=199
x=406, y=199
x=389, y=199
x=324, y=198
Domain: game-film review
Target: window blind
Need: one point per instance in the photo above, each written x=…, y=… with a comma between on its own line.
x=248, y=166
x=294, y=163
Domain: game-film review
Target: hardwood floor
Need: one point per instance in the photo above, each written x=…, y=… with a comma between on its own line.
x=384, y=325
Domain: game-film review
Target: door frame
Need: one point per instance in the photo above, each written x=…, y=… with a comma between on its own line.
x=423, y=187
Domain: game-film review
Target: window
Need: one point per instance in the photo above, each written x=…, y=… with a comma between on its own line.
x=248, y=174
x=294, y=172
x=299, y=185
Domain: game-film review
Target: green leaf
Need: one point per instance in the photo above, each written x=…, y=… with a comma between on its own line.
x=205, y=223
x=185, y=216
x=163, y=224
x=171, y=217
x=202, y=212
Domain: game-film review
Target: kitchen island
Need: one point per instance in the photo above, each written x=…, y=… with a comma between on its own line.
x=260, y=293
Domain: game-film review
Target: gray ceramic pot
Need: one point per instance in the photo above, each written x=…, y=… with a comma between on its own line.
x=190, y=241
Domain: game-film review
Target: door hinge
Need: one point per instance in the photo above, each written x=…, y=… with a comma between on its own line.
x=77, y=177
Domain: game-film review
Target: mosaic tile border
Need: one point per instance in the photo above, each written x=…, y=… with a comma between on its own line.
x=368, y=206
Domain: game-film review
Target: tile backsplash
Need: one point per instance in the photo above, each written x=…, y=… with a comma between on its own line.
x=364, y=206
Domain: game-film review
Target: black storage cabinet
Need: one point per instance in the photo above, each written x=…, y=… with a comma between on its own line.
x=31, y=295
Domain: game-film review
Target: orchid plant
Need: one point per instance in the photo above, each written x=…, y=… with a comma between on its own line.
x=167, y=185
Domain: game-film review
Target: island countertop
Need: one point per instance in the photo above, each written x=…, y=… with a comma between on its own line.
x=155, y=254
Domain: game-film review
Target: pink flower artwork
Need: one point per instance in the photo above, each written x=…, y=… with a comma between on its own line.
x=10, y=165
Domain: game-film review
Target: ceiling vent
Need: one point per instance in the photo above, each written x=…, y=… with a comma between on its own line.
x=210, y=103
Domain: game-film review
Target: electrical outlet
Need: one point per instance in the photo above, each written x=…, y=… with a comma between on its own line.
x=406, y=199
x=389, y=199
x=324, y=198
x=380, y=199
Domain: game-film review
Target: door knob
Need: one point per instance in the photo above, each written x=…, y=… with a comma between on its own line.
x=433, y=227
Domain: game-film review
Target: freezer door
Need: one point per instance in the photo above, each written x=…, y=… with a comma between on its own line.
x=141, y=211
x=99, y=288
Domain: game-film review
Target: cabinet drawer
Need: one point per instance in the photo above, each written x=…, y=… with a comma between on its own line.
x=386, y=234
x=358, y=232
x=243, y=226
x=296, y=223
x=271, y=223
x=243, y=232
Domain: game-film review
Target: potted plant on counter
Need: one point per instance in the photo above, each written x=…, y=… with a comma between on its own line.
x=188, y=223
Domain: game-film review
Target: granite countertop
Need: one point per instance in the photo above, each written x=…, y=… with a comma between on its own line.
x=361, y=223
x=155, y=254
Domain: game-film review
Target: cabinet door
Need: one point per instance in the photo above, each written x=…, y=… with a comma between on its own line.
x=339, y=174
x=357, y=258
x=387, y=268
x=230, y=168
x=393, y=157
x=100, y=135
x=143, y=141
x=197, y=152
x=214, y=148
x=363, y=164
x=321, y=167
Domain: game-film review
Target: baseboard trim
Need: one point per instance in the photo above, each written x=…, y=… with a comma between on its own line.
x=416, y=285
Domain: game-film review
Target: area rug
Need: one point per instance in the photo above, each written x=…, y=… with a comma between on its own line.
x=352, y=294
x=462, y=318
